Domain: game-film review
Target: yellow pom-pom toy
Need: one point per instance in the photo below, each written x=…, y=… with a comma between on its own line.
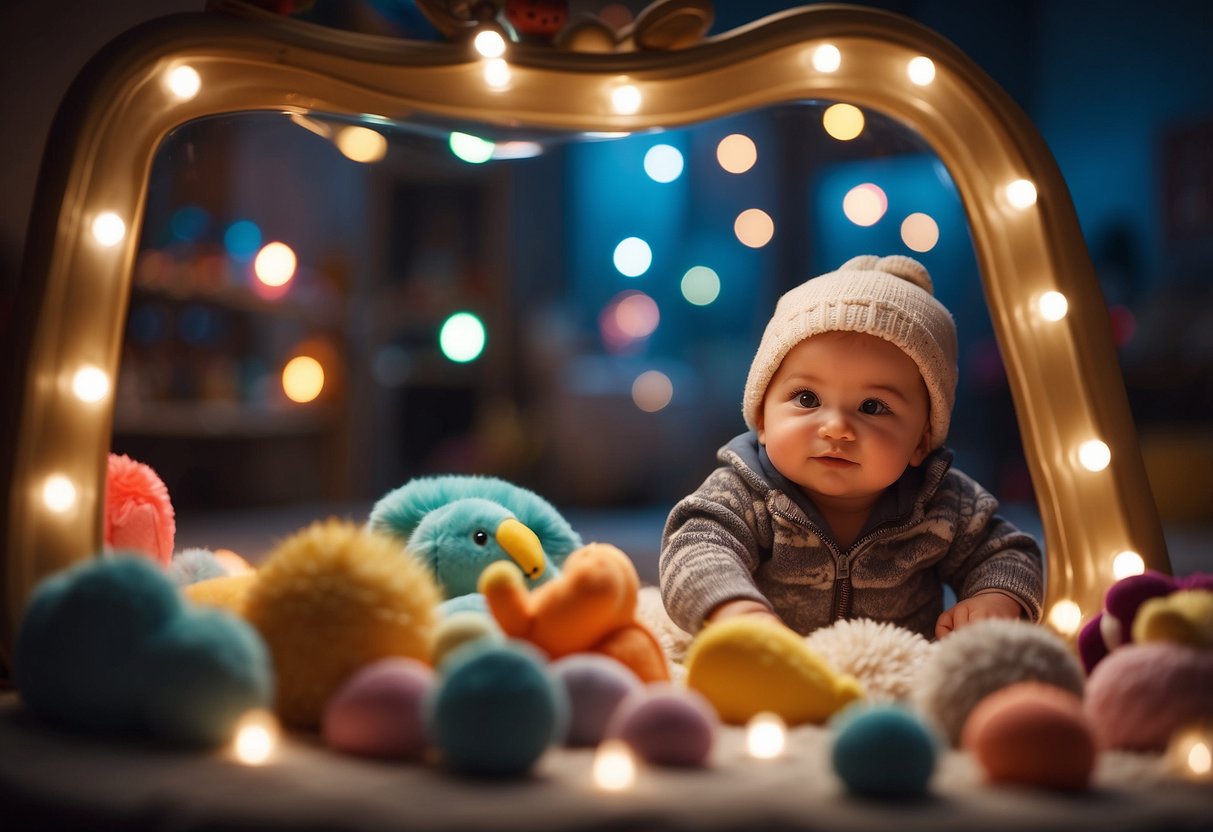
x=332, y=599
x=1183, y=617
x=746, y=665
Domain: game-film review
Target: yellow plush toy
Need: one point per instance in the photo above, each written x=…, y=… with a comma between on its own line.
x=589, y=608
x=1183, y=617
x=745, y=665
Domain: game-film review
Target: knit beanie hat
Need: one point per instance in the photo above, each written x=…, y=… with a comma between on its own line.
x=889, y=297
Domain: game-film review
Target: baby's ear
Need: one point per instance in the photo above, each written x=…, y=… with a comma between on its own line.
x=922, y=448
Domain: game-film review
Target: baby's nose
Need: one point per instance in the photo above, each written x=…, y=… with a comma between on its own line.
x=835, y=424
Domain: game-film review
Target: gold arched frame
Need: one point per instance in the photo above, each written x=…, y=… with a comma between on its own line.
x=1063, y=372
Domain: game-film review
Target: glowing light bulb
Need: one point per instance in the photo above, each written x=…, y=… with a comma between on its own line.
x=754, y=227
x=58, y=493
x=183, y=82
x=843, y=121
x=865, y=204
x=108, y=229
x=919, y=232
x=633, y=257
x=302, y=379
x=1021, y=194
x=1065, y=616
x=614, y=767
x=497, y=73
x=275, y=264
x=700, y=285
x=462, y=337
x=361, y=144
x=736, y=153
x=1190, y=753
x=256, y=738
x=827, y=58
x=626, y=99
x=489, y=43
x=652, y=391
x=766, y=735
x=471, y=149
x=1127, y=564
x=1094, y=455
x=1053, y=306
x=921, y=70
x=90, y=384
x=663, y=163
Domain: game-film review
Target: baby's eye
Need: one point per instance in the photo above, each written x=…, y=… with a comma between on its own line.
x=873, y=407
x=807, y=398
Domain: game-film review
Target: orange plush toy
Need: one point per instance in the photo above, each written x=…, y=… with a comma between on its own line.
x=589, y=608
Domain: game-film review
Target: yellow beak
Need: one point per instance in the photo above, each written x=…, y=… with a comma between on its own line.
x=523, y=545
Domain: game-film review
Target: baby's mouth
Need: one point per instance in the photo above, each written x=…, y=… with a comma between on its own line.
x=834, y=461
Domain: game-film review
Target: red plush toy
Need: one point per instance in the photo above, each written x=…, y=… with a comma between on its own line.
x=138, y=513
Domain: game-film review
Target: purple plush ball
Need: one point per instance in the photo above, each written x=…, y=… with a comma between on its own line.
x=377, y=711
x=596, y=684
x=666, y=725
x=1141, y=694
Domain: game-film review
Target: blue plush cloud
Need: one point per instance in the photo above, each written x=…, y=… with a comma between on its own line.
x=109, y=647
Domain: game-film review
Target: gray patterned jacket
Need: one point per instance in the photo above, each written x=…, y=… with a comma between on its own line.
x=749, y=533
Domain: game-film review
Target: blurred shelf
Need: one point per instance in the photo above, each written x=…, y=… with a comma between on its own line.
x=220, y=419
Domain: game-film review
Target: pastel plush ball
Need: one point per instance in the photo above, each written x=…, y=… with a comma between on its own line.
x=460, y=628
x=1140, y=695
x=377, y=712
x=596, y=685
x=495, y=709
x=108, y=647
x=883, y=752
x=970, y=664
x=666, y=725
x=1033, y=734
x=332, y=599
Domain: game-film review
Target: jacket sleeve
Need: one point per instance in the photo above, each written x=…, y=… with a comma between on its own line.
x=988, y=552
x=711, y=547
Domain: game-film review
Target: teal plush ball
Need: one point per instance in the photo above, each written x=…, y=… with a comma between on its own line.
x=77, y=652
x=200, y=674
x=495, y=709
x=883, y=752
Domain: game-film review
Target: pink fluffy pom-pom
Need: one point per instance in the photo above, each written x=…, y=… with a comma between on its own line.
x=1141, y=694
x=138, y=513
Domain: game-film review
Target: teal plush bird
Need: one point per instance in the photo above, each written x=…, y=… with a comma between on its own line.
x=460, y=524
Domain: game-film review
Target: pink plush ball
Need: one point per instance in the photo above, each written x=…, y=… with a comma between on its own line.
x=1141, y=694
x=596, y=685
x=377, y=711
x=1033, y=734
x=666, y=725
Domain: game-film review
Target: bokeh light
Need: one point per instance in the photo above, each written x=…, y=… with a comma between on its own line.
x=242, y=239
x=256, y=738
x=183, y=82
x=754, y=227
x=497, y=73
x=1065, y=617
x=652, y=391
x=1021, y=194
x=1094, y=455
x=275, y=264
x=700, y=285
x=189, y=223
x=637, y=314
x=1126, y=564
x=737, y=153
x=766, y=735
x=489, y=43
x=921, y=70
x=462, y=337
x=626, y=100
x=1053, y=306
x=90, y=384
x=614, y=768
x=58, y=493
x=827, y=58
x=471, y=149
x=108, y=229
x=663, y=163
x=302, y=379
x=632, y=257
x=919, y=232
x=843, y=121
x=865, y=204
x=361, y=144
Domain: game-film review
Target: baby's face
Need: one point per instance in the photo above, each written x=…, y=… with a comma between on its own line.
x=844, y=415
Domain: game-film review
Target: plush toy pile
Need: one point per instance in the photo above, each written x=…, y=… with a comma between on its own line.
x=349, y=631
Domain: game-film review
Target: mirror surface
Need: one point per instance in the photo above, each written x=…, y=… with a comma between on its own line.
x=575, y=313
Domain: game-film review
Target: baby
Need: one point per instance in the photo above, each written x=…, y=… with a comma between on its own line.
x=840, y=501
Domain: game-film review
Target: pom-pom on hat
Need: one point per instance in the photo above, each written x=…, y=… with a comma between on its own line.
x=889, y=297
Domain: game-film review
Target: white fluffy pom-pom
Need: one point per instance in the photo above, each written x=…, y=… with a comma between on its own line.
x=885, y=658
x=189, y=566
x=969, y=664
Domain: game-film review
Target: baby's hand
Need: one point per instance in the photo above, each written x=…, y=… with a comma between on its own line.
x=978, y=608
x=744, y=606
